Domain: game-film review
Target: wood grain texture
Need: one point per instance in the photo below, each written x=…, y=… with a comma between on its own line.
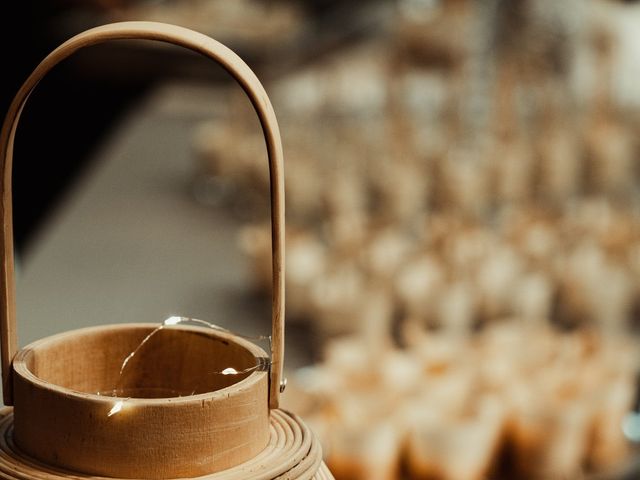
x=60, y=420
x=258, y=97
x=292, y=453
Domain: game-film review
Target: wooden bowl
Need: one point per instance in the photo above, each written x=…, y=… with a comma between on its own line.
x=61, y=419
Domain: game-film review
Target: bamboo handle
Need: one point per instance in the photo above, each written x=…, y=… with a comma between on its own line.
x=255, y=91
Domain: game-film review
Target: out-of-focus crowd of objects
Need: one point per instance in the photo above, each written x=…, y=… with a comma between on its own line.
x=463, y=208
x=466, y=164
x=463, y=211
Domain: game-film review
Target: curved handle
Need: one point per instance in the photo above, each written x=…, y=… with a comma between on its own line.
x=255, y=91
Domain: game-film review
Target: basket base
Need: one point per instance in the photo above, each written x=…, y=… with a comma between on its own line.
x=293, y=452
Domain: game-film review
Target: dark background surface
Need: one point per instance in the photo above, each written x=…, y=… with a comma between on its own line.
x=78, y=103
x=65, y=118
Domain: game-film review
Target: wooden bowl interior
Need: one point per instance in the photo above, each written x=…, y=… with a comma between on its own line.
x=173, y=362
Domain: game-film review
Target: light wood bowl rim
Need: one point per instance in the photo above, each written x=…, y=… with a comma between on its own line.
x=20, y=367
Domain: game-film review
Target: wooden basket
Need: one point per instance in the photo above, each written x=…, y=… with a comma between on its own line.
x=230, y=428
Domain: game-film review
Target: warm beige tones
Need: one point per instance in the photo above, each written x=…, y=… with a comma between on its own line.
x=292, y=453
x=59, y=419
x=255, y=91
x=185, y=418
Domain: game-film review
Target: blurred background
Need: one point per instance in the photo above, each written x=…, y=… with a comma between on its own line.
x=463, y=214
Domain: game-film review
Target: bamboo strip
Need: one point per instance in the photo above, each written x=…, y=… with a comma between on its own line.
x=255, y=91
